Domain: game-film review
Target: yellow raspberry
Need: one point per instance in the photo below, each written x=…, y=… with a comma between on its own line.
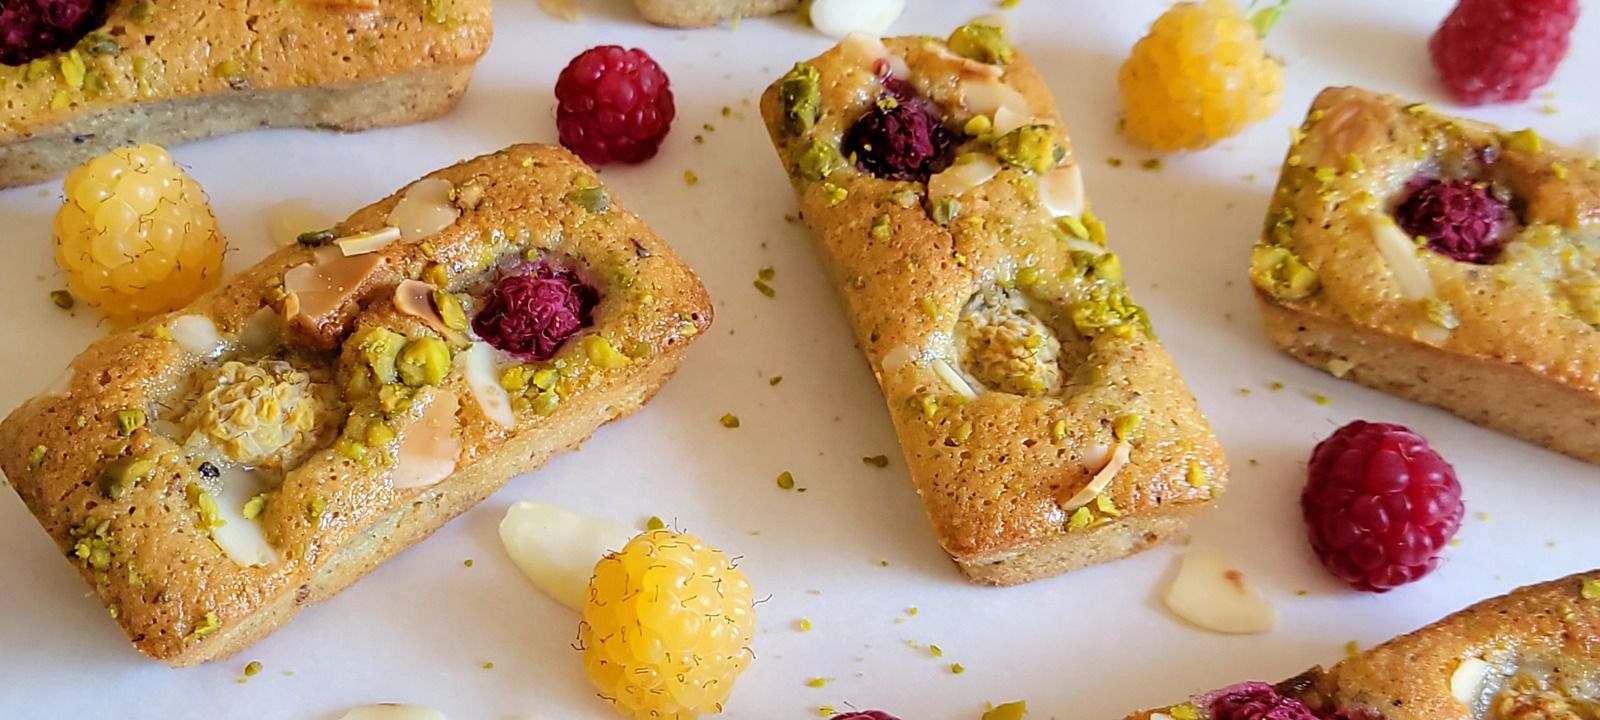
x=135, y=236
x=667, y=627
x=1201, y=75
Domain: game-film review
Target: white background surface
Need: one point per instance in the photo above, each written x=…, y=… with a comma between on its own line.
x=1093, y=644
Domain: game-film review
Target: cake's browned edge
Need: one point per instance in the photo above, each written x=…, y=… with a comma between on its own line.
x=1549, y=625
x=1022, y=554
x=194, y=69
x=1527, y=400
x=703, y=13
x=397, y=100
x=45, y=491
x=1502, y=396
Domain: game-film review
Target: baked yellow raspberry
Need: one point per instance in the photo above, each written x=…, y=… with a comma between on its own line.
x=1199, y=76
x=135, y=236
x=667, y=627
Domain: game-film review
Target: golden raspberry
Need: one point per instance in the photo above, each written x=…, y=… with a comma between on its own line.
x=265, y=414
x=1199, y=76
x=667, y=627
x=135, y=236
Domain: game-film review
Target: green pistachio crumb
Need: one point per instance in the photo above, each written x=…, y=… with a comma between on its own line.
x=254, y=506
x=883, y=228
x=1058, y=430
x=1196, y=475
x=764, y=288
x=786, y=480
x=730, y=421
x=1008, y=711
x=880, y=461
x=205, y=507
x=946, y=210
x=252, y=668
x=62, y=299
x=129, y=421
x=957, y=669
x=424, y=361
x=1591, y=588
x=315, y=506
x=982, y=42
x=206, y=626
x=122, y=474
x=1034, y=148
x=817, y=682
x=655, y=523
x=451, y=310
x=436, y=11
x=1153, y=164
x=836, y=194
x=1526, y=141
x=143, y=9
x=1115, y=162
x=36, y=457
x=803, y=625
x=1320, y=399
x=1125, y=426
x=774, y=380
x=602, y=353
x=766, y=273
x=379, y=347
x=593, y=199
x=691, y=178
x=1280, y=272
x=1184, y=712
x=820, y=159
x=546, y=403
x=801, y=93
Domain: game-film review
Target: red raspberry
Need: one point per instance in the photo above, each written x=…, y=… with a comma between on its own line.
x=532, y=314
x=865, y=715
x=1379, y=505
x=614, y=105
x=1257, y=701
x=32, y=29
x=1459, y=218
x=1502, y=50
x=900, y=138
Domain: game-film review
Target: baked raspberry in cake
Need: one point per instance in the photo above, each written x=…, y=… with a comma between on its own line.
x=1043, y=424
x=215, y=469
x=1442, y=260
x=1528, y=655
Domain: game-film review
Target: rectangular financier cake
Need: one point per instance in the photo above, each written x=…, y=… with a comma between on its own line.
x=1529, y=655
x=173, y=71
x=1441, y=260
x=212, y=471
x=1044, y=426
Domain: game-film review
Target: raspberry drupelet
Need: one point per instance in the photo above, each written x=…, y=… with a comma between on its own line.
x=32, y=29
x=1459, y=218
x=902, y=137
x=531, y=314
x=1502, y=50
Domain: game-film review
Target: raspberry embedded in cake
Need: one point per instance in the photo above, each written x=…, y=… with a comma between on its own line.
x=531, y=314
x=1257, y=701
x=32, y=29
x=900, y=138
x=1461, y=219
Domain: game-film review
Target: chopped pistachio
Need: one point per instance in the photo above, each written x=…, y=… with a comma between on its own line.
x=593, y=199
x=836, y=194
x=602, y=353
x=883, y=228
x=143, y=9
x=36, y=457
x=378, y=433
x=1125, y=426
x=1081, y=518
x=252, y=668
x=1185, y=711
x=978, y=126
x=655, y=523
x=62, y=299
x=205, y=506
x=1058, y=430
x=208, y=625
x=1279, y=271
x=982, y=42
x=425, y=361
x=254, y=506
x=774, y=380
x=801, y=93
x=946, y=210
x=764, y=288
x=436, y=11
x=786, y=480
x=1591, y=588
x=1196, y=475
x=129, y=421
x=820, y=159
x=817, y=682
x=803, y=625
x=957, y=669
x=451, y=310
x=766, y=273
x=1034, y=148
x=690, y=178
x=1153, y=164
x=122, y=474
x=317, y=238
x=1526, y=141
x=379, y=348
x=516, y=378
x=876, y=460
x=546, y=403
x=315, y=506
x=1320, y=399
x=730, y=421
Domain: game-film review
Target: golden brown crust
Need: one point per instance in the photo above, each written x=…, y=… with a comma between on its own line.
x=701, y=13
x=164, y=573
x=1522, y=325
x=220, y=66
x=995, y=473
x=1546, y=634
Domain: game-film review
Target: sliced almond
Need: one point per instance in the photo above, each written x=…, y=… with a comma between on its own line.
x=429, y=448
x=1101, y=479
x=317, y=290
x=196, y=334
x=949, y=64
x=1214, y=596
x=841, y=18
x=424, y=210
x=483, y=380
x=953, y=378
x=962, y=177
x=242, y=540
x=1061, y=191
x=987, y=97
x=393, y=711
x=1400, y=253
x=261, y=331
x=557, y=548
x=899, y=357
x=366, y=242
x=415, y=298
x=1469, y=680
